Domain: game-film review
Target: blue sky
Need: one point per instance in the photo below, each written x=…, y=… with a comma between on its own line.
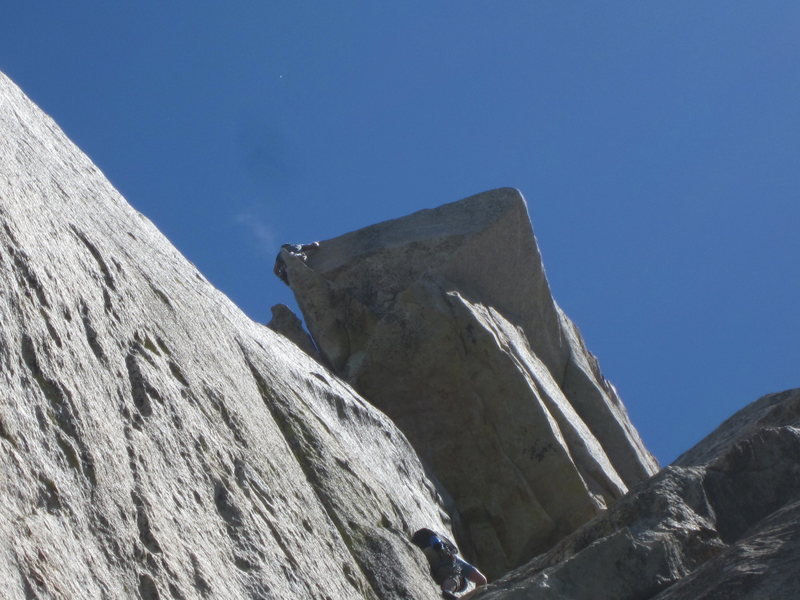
x=657, y=144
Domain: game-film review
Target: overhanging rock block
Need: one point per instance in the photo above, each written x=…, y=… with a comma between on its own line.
x=444, y=320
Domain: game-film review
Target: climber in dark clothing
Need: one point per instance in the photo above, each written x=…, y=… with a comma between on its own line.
x=451, y=572
x=299, y=250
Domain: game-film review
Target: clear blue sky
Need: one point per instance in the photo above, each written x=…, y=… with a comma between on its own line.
x=657, y=143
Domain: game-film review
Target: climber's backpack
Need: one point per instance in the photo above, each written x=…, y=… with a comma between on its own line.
x=448, y=566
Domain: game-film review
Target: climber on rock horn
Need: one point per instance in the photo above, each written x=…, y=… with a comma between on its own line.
x=451, y=572
x=299, y=250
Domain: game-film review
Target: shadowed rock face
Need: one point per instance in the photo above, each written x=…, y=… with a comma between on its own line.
x=285, y=322
x=722, y=522
x=444, y=320
x=156, y=443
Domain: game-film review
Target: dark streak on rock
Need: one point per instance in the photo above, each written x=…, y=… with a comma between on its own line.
x=70, y=454
x=27, y=277
x=37, y=579
x=143, y=524
x=91, y=334
x=175, y=592
x=229, y=512
x=141, y=390
x=147, y=588
x=27, y=588
x=177, y=373
x=63, y=413
x=107, y=276
x=161, y=296
x=218, y=402
x=9, y=233
x=107, y=304
x=4, y=434
x=243, y=564
x=163, y=346
x=148, y=344
x=50, y=388
x=51, y=330
x=54, y=180
x=282, y=545
x=48, y=495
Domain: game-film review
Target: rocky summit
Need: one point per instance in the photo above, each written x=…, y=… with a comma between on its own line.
x=445, y=321
x=155, y=443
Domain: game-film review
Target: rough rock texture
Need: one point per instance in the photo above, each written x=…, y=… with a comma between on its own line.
x=444, y=320
x=723, y=522
x=156, y=443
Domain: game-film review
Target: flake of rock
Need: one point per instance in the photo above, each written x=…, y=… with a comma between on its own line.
x=288, y=324
x=444, y=320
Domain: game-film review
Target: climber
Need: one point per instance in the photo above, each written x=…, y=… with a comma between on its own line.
x=299, y=250
x=449, y=570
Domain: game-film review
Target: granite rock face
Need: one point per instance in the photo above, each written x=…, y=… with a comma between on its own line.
x=445, y=321
x=722, y=522
x=155, y=442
